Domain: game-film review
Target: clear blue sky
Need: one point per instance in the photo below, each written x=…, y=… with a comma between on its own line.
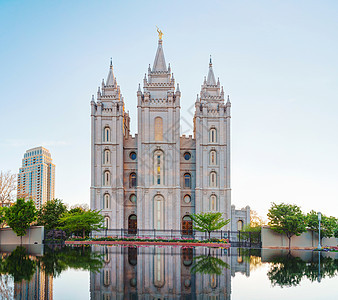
x=277, y=60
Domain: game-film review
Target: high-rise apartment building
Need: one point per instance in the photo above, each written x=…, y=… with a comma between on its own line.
x=36, y=178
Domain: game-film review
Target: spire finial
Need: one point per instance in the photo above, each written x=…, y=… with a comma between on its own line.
x=111, y=61
x=210, y=63
x=160, y=34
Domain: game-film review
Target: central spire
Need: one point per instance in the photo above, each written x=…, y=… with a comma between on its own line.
x=159, y=62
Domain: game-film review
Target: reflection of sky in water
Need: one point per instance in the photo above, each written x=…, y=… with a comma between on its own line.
x=72, y=284
x=163, y=272
x=258, y=286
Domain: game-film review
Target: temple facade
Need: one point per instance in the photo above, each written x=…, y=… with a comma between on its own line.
x=157, y=178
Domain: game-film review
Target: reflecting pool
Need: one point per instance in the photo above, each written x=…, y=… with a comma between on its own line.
x=115, y=272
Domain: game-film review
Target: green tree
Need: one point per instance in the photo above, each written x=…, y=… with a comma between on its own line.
x=20, y=216
x=286, y=219
x=327, y=226
x=208, y=222
x=50, y=213
x=81, y=221
x=3, y=210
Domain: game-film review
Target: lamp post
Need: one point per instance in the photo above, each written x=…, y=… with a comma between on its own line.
x=319, y=219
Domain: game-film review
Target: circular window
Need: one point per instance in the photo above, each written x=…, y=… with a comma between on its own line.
x=187, y=199
x=132, y=155
x=133, y=282
x=133, y=198
x=187, y=155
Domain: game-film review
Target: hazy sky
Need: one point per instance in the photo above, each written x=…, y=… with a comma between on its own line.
x=278, y=61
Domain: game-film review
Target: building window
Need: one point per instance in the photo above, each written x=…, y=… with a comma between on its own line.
x=106, y=178
x=106, y=136
x=158, y=167
x=132, y=180
x=187, y=199
x=213, y=135
x=132, y=224
x=106, y=222
x=187, y=155
x=159, y=212
x=213, y=203
x=106, y=277
x=133, y=198
x=132, y=155
x=159, y=279
x=106, y=157
x=106, y=201
x=240, y=225
x=213, y=157
x=213, y=179
x=187, y=180
x=158, y=129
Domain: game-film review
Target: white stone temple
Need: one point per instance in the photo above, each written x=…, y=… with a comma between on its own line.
x=155, y=179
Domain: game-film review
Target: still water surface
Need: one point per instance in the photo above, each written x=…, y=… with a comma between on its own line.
x=115, y=272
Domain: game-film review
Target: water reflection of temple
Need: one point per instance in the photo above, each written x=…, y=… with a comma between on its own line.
x=165, y=273
x=39, y=287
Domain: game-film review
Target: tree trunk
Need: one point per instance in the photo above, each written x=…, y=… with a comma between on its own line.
x=289, y=242
x=21, y=240
x=83, y=233
x=209, y=235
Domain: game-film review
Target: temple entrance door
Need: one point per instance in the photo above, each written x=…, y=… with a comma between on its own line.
x=132, y=224
x=187, y=226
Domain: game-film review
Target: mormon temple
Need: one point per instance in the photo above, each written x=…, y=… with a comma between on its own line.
x=157, y=178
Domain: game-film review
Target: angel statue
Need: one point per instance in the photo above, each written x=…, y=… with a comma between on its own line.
x=160, y=33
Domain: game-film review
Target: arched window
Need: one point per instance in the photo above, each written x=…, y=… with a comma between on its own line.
x=213, y=157
x=159, y=279
x=213, y=135
x=213, y=281
x=106, y=277
x=132, y=256
x=106, y=134
x=158, y=167
x=187, y=256
x=158, y=129
x=106, y=257
x=186, y=225
x=132, y=224
x=106, y=179
x=213, y=179
x=106, y=201
x=240, y=225
x=187, y=180
x=213, y=203
x=106, y=222
x=158, y=212
x=106, y=157
x=132, y=180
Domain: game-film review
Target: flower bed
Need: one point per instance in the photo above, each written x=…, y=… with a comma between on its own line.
x=149, y=240
x=330, y=249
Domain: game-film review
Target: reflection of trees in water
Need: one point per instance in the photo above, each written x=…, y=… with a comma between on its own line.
x=287, y=271
x=207, y=264
x=19, y=265
x=54, y=262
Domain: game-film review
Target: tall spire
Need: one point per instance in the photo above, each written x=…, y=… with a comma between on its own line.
x=110, y=78
x=211, y=77
x=159, y=62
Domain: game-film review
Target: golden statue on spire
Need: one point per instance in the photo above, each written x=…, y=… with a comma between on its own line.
x=160, y=33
